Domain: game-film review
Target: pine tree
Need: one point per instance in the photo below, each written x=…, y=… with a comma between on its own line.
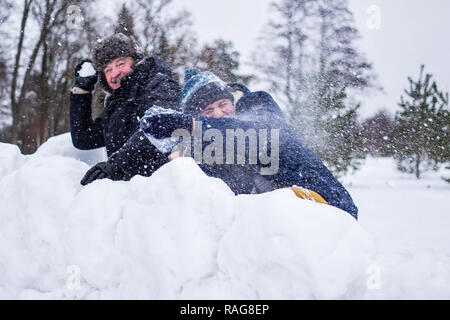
x=420, y=136
x=440, y=149
x=376, y=131
x=221, y=59
x=341, y=141
x=125, y=22
x=447, y=179
x=442, y=154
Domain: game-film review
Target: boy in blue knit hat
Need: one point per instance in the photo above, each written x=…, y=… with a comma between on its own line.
x=206, y=94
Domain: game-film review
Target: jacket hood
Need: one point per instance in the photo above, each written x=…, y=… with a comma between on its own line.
x=258, y=103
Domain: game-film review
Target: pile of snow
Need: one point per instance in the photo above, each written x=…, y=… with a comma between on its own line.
x=178, y=234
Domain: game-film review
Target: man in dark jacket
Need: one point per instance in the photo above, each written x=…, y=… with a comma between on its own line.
x=297, y=164
x=207, y=95
x=133, y=84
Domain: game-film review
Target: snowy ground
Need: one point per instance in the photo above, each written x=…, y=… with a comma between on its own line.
x=182, y=235
x=409, y=220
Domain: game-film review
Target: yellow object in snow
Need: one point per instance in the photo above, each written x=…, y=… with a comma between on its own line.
x=307, y=194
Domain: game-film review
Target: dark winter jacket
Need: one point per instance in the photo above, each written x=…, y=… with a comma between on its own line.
x=151, y=83
x=298, y=165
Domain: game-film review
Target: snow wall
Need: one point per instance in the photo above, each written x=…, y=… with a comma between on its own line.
x=178, y=234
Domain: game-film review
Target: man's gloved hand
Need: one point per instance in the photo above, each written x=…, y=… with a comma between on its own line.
x=103, y=170
x=161, y=124
x=85, y=75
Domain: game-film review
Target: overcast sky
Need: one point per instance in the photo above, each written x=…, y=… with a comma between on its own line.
x=411, y=32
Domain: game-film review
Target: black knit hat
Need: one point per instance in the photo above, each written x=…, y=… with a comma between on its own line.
x=115, y=46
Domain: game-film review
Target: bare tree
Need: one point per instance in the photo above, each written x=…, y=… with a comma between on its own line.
x=167, y=35
x=4, y=75
x=308, y=57
x=38, y=97
x=14, y=100
x=281, y=54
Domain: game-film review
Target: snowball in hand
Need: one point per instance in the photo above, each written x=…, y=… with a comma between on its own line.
x=87, y=70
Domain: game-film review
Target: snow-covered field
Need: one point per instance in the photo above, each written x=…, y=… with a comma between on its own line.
x=409, y=220
x=182, y=235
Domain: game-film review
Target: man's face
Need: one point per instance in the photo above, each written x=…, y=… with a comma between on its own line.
x=218, y=109
x=116, y=70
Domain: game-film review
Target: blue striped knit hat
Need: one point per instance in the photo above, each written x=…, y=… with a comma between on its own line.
x=202, y=89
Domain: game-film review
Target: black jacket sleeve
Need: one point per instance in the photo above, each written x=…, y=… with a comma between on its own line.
x=86, y=133
x=139, y=156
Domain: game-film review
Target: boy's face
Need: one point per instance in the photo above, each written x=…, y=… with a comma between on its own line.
x=116, y=70
x=218, y=109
